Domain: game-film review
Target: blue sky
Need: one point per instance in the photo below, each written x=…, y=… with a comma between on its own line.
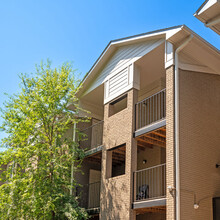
x=78, y=31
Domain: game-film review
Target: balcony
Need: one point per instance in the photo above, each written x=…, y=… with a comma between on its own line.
x=92, y=136
x=150, y=187
x=150, y=133
x=150, y=113
x=89, y=196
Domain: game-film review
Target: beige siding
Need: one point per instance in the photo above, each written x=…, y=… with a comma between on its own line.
x=199, y=143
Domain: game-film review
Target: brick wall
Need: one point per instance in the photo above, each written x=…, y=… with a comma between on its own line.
x=199, y=143
x=170, y=150
x=116, y=192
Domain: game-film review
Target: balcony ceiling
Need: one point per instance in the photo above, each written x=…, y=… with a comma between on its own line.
x=94, y=158
x=156, y=137
x=96, y=96
x=159, y=209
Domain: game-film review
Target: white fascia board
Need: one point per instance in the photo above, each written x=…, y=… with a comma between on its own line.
x=169, y=54
x=167, y=33
x=206, y=6
x=139, y=38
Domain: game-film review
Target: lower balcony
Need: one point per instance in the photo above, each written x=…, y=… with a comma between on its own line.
x=89, y=197
x=150, y=189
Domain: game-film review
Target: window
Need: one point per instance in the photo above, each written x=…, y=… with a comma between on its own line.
x=116, y=161
x=118, y=105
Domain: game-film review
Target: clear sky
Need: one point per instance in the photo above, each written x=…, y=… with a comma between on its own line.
x=78, y=31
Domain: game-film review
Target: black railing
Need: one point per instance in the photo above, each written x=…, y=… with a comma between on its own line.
x=92, y=136
x=89, y=195
x=150, y=183
x=150, y=110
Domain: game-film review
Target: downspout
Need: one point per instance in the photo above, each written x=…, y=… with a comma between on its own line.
x=176, y=104
x=72, y=165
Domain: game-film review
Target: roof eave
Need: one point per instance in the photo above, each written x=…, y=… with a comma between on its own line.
x=122, y=41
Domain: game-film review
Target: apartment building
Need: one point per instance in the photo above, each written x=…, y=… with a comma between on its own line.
x=153, y=143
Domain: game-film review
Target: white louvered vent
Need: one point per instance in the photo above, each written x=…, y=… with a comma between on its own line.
x=118, y=82
x=121, y=82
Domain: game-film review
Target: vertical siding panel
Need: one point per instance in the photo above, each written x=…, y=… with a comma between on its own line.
x=121, y=59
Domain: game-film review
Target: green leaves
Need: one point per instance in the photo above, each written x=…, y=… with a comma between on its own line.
x=36, y=168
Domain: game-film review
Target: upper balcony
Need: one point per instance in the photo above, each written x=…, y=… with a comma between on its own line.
x=150, y=133
x=150, y=113
x=92, y=137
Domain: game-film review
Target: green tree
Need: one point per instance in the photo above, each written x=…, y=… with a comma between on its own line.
x=39, y=154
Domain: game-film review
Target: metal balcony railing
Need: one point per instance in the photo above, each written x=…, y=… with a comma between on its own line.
x=150, y=110
x=150, y=183
x=92, y=136
x=89, y=195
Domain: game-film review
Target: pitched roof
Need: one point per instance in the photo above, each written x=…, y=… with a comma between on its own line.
x=173, y=34
x=209, y=14
x=120, y=41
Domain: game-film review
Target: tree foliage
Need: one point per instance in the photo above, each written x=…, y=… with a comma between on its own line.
x=39, y=153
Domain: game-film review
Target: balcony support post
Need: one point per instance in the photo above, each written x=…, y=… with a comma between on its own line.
x=72, y=165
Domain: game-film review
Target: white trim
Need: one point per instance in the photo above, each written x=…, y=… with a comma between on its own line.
x=169, y=54
x=149, y=203
x=136, y=76
x=130, y=73
x=106, y=89
x=167, y=33
x=127, y=88
x=196, y=68
x=208, y=4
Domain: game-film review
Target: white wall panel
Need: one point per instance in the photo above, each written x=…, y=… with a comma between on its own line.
x=122, y=58
x=118, y=82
